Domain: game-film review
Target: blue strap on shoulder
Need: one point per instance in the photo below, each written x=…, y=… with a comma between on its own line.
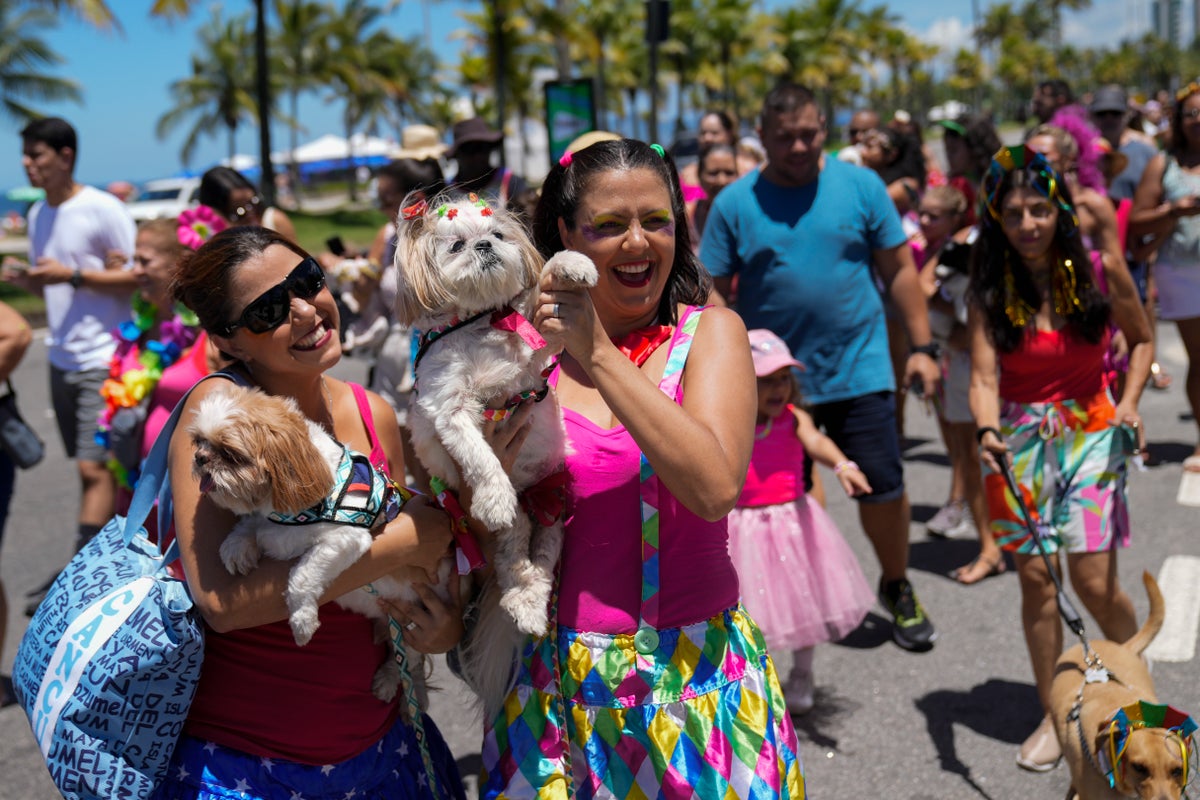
x=154, y=483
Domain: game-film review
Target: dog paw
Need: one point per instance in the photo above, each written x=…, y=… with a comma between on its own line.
x=527, y=609
x=304, y=624
x=572, y=267
x=386, y=682
x=495, y=506
x=240, y=554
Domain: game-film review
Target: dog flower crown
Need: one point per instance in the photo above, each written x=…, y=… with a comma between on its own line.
x=446, y=210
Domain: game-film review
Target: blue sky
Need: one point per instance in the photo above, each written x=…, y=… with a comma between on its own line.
x=125, y=78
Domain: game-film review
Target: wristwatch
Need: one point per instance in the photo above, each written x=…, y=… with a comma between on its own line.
x=76, y=279
x=933, y=350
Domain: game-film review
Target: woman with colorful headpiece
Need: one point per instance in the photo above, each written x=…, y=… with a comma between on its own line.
x=1040, y=326
x=1165, y=210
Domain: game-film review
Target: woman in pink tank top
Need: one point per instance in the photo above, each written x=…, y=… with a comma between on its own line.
x=1040, y=320
x=647, y=635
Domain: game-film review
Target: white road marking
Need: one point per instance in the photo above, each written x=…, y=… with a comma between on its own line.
x=1189, y=489
x=1179, y=580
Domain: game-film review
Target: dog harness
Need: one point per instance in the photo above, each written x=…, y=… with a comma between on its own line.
x=508, y=319
x=361, y=495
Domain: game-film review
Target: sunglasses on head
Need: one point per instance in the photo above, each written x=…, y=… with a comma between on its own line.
x=271, y=308
x=239, y=213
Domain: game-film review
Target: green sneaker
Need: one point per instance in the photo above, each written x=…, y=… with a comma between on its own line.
x=911, y=628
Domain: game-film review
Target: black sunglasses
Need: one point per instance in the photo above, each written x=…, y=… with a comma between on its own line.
x=270, y=309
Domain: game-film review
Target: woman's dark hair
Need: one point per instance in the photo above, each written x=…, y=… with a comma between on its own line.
x=1177, y=143
x=411, y=175
x=203, y=283
x=705, y=152
x=905, y=157
x=981, y=139
x=217, y=184
x=563, y=191
x=993, y=257
x=728, y=123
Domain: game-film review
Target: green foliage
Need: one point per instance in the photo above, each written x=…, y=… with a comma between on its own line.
x=24, y=61
x=357, y=227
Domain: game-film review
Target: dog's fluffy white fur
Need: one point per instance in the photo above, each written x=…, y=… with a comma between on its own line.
x=256, y=453
x=456, y=259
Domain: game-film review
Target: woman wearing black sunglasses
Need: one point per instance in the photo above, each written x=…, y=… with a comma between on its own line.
x=267, y=712
x=233, y=196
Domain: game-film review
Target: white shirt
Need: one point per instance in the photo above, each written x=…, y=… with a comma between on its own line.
x=79, y=233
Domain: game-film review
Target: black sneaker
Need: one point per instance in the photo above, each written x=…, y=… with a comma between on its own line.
x=911, y=628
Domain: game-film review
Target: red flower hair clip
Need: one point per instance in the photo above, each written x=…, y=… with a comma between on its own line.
x=415, y=210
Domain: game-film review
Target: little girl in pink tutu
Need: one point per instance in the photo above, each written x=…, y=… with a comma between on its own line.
x=800, y=580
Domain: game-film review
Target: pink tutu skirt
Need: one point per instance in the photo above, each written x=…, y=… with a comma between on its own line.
x=800, y=580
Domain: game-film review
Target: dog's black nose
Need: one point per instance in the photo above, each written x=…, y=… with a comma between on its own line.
x=201, y=458
x=483, y=244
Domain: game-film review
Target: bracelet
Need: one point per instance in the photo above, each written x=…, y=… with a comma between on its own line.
x=842, y=466
x=984, y=431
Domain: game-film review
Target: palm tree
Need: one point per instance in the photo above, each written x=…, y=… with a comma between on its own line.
x=23, y=57
x=297, y=59
x=219, y=93
x=823, y=45
x=351, y=75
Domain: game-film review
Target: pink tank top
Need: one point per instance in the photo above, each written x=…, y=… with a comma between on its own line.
x=601, y=579
x=776, y=474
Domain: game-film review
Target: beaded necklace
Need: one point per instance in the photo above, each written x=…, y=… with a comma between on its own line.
x=128, y=386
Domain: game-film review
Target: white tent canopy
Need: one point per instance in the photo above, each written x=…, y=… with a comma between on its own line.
x=331, y=146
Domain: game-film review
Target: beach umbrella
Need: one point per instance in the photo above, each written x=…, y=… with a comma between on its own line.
x=25, y=194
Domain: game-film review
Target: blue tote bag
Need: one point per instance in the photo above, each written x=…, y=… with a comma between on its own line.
x=108, y=666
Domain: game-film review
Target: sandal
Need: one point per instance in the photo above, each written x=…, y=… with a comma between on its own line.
x=1159, y=378
x=969, y=573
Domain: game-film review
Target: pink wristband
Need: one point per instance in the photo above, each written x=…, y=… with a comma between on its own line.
x=842, y=466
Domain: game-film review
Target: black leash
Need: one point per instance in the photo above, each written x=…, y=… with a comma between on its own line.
x=1065, y=608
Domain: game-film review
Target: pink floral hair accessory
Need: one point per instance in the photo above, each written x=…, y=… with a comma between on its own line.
x=198, y=225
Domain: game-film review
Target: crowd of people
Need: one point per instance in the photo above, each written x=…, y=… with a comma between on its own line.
x=1012, y=287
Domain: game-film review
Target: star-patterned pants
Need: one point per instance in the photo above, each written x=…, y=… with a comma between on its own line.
x=391, y=769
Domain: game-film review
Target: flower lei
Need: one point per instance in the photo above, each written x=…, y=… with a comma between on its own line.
x=127, y=388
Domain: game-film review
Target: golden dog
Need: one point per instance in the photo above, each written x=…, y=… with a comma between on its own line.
x=1153, y=762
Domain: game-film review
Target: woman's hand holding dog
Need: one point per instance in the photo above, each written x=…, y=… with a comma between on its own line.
x=565, y=317
x=431, y=625
x=429, y=539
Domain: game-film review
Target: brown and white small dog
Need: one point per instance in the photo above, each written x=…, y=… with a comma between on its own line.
x=1151, y=767
x=258, y=455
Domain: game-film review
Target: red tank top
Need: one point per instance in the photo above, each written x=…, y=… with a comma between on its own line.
x=262, y=694
x=1051, y=366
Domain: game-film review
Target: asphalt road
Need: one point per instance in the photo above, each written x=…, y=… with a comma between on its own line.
x=944, y=724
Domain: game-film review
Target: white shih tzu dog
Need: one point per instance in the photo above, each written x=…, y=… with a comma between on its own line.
x=469, y=280
x=301, y=495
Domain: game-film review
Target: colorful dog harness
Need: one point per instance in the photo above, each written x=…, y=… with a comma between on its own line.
x=361, y=495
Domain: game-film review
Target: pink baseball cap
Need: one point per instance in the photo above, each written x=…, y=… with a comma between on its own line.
x=770, y=353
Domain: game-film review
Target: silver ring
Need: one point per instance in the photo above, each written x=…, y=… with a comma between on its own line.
x=557, y=312
x=410, y=626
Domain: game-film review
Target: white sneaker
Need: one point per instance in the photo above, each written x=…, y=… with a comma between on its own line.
x=951, y=519
x=798, y=691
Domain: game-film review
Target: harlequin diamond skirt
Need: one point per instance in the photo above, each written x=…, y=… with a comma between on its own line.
x=702, y=716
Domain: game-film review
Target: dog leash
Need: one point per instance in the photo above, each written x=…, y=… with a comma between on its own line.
x=1065, y=608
